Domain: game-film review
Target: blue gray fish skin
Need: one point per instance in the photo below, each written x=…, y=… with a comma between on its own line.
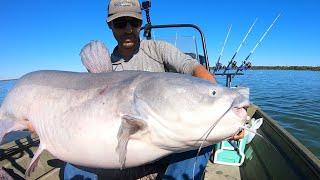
x=120, y=119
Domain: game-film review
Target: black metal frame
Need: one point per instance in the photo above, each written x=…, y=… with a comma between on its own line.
x=147, y=28
x=229, y=77
x=147, y=32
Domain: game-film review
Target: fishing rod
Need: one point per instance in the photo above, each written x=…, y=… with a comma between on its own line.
x=245, y=64
x=232, y=62
x=218, y=64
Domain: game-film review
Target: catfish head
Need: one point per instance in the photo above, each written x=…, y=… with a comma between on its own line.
x=181, y=111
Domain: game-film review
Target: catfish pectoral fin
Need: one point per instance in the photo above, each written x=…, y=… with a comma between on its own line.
x=129, y=125
x=34, y=161
x=4, y=175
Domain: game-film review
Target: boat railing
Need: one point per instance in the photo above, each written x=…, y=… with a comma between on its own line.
x=204, y=61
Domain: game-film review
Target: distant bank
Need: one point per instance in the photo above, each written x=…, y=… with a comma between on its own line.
x=298, y=68
x=301, y=68
x=7, y=79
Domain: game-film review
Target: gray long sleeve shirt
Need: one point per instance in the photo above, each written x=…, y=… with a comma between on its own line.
x=155, y=56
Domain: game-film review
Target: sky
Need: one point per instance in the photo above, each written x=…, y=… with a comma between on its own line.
x=47, y=34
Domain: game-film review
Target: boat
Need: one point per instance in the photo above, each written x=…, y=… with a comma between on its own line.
x=280, y=156
x=284, y=158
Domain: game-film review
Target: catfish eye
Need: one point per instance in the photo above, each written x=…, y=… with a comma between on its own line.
x=213, y=92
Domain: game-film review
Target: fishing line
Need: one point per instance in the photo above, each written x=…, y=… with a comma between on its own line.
x=208, y=132
x=265, y=139
x=243, y=41
x=218, y=64
x=206, y=136
x=244, y=127
x=243, y=66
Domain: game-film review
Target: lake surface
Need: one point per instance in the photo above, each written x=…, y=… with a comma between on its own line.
x=292, y=98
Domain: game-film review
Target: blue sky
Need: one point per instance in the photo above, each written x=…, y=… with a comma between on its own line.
x=43, y=34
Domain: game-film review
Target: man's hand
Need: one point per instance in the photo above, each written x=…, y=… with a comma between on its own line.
x=238, y=136
x=201, y=72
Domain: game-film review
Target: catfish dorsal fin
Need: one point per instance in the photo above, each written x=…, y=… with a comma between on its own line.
x=129, y=126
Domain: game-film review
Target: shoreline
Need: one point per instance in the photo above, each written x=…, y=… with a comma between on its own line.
x=298, y=68
x=11, y=79
x=295, y=68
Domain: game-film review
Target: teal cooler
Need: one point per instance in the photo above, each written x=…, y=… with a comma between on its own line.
x=227, y=155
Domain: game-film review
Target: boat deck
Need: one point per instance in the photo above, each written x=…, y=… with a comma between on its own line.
x=16, y=156
x=222, y=172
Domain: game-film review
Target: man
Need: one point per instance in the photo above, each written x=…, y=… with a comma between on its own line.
x=125, y=20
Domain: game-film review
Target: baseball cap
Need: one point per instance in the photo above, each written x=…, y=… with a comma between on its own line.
x=121, y=8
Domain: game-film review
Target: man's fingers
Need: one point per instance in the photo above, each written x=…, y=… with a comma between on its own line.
x=238, y=136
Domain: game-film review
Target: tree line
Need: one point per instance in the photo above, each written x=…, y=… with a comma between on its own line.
x=301, y=68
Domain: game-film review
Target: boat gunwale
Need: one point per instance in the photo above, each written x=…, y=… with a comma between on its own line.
x=297, y=149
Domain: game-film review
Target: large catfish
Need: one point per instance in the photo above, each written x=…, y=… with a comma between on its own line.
x=106, y=120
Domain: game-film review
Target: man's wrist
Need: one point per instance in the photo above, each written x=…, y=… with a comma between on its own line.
x=201, y=72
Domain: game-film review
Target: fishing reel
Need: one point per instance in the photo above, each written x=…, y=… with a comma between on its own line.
x=248, y=65
x=146, y=5
x=218, y=67
x=231, y=65
x=244, y=66
x=234, y=65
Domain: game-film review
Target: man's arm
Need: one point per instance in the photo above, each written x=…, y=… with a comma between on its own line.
x=182, y=62
x=201, y=72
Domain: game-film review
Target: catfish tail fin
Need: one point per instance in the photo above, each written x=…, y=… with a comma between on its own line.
x=5, y=126
x=95, y=57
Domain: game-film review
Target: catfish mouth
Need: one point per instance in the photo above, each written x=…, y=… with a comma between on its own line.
x=241, y=111
x=240, y=106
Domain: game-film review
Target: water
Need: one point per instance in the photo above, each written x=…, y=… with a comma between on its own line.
x=5, y=86
x=290, y=97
